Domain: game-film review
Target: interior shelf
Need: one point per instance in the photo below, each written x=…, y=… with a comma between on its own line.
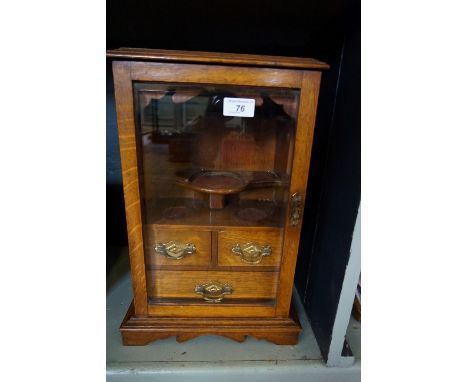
x=243, y=213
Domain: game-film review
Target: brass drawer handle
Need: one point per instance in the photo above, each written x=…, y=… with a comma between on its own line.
x=251, y=253
x=213, y=291
x=296, y=209
x=175, y=250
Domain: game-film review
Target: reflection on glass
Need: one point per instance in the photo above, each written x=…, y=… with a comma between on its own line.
x=199, y=167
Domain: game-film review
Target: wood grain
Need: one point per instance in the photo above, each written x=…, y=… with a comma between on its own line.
x=228, y=238
x=216, y=58
x=181, y=284
x=214, y=74
x=201, y=240
x=129, y=161
x=141, y=331
x=212, y=310
x=302, y=150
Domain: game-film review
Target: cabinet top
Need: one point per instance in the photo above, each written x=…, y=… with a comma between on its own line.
x=216, y=58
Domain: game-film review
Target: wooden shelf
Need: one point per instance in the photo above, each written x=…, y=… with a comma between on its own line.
x=240, y=213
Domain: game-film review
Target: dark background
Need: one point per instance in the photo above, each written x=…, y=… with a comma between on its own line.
x=328, y=30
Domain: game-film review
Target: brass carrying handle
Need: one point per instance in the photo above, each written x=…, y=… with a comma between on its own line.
x=175, y=250
x=296, y=209
x=213, y=291
x=251, y=253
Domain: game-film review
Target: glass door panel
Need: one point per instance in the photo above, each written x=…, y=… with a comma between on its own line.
x=200, y=167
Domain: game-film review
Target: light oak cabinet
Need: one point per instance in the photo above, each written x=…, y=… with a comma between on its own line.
x=215, y=152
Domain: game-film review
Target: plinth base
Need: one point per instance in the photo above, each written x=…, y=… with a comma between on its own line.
x=143, y=330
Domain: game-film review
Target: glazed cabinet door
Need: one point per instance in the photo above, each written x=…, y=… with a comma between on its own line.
x=215, y=163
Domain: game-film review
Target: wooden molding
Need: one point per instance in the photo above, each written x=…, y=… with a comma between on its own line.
x=143, y=330
x=216, y=58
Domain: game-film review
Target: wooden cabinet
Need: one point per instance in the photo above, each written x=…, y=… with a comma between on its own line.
x=215, y=152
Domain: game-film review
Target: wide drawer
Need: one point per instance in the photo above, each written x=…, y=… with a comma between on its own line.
x=259, y=247
x=177, y=247
x=202, y=285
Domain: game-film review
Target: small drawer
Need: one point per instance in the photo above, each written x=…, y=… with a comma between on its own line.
x=212, y=286
x=247, y=248
x=177, y=247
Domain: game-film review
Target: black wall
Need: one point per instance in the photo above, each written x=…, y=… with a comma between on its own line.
x=328, y=30
x=334, y=191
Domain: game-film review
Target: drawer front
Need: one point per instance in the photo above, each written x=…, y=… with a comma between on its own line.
x=177, y=247
x=208, y=286
x=249, y=248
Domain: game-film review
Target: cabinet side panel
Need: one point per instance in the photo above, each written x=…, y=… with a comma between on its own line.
x=302, y=150
x=128, y=156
